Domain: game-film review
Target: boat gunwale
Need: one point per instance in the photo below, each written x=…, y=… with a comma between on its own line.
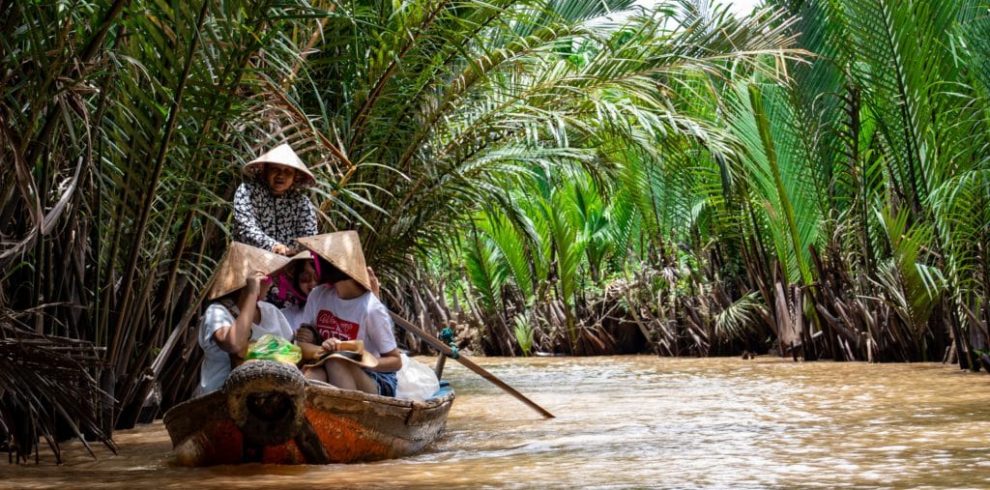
x=325, y=390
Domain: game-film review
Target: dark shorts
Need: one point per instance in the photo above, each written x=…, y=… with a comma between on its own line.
x=386, y=382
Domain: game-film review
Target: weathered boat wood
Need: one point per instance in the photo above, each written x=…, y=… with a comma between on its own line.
x=259, y=416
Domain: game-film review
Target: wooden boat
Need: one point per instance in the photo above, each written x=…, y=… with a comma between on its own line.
x=268, y=413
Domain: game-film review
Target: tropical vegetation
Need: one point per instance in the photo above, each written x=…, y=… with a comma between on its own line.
x=555, y=176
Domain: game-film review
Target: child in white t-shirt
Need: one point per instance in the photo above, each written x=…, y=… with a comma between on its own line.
x=237, y=316
x=343, y=308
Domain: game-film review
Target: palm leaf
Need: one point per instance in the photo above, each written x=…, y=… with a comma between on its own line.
x=47, y=383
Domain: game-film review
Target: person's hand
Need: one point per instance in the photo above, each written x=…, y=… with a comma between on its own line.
x=281, y=249
x=254, y=283
x=376, y=285
x=305, y=335
x=331, y=345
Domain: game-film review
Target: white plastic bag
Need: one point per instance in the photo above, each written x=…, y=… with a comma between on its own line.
x=416, y=380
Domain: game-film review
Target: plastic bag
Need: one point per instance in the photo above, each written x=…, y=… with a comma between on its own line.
x=416, y=381
x=274, y=348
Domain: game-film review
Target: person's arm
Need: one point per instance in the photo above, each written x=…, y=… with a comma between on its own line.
x=306, y=336
x=390, y=361
x=246, y=224
x=306, y=340
x=379, y=326
x=235, y=338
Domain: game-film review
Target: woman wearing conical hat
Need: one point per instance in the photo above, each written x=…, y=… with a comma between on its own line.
x=343, y=310
x=237, y=315
x=271, y=209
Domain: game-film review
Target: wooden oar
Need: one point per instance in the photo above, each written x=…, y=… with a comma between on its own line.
x=468, y=363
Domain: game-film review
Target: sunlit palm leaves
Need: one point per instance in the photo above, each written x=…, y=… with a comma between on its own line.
x=907, y=135
x=889, y=115
x=911, y=287
x=486, y=271
x=580, y=84
x=447, y=99
x=512, y=247
x=780, y=182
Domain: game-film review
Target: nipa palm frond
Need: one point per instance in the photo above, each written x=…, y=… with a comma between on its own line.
x=739, y=318
x=46, y=384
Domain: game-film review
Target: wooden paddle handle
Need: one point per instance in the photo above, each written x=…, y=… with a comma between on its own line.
x=468, y=363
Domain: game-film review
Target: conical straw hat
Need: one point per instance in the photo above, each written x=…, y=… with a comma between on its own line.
x=240, y=262
x=281, y=155
x=299, y=257
x=343, y=250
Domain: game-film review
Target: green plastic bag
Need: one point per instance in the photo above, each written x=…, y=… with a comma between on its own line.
x=273, y=348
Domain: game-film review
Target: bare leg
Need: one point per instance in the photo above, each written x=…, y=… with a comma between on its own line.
x=315, y=373
x=362, y=381
x=339, y=374
x=348, y=376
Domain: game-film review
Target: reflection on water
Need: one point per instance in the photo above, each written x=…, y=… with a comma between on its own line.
x=638, y=422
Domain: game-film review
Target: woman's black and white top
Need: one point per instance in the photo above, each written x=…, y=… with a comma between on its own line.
x=263, y=219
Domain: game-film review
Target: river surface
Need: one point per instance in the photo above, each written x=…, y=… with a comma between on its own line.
x=635, y=422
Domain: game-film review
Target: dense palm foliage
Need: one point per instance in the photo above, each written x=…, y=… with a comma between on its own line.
x=844, y=210
x=122, y=126
x=675, y=180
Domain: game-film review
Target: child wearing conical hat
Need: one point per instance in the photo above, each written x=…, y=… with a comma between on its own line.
x=298, y=281
x=271, y=209
x=237, y=315
x=344, y=309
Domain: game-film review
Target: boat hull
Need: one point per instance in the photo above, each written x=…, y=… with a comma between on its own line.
x=313, y=423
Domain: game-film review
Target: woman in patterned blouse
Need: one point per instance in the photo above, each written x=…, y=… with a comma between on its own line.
x=271, y=210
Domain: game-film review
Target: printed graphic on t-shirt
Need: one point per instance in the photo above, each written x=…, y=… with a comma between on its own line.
x=329, y=325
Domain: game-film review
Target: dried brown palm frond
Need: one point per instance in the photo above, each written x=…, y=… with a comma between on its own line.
x=46, y=386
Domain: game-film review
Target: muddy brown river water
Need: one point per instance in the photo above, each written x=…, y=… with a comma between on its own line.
x=635, y=422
